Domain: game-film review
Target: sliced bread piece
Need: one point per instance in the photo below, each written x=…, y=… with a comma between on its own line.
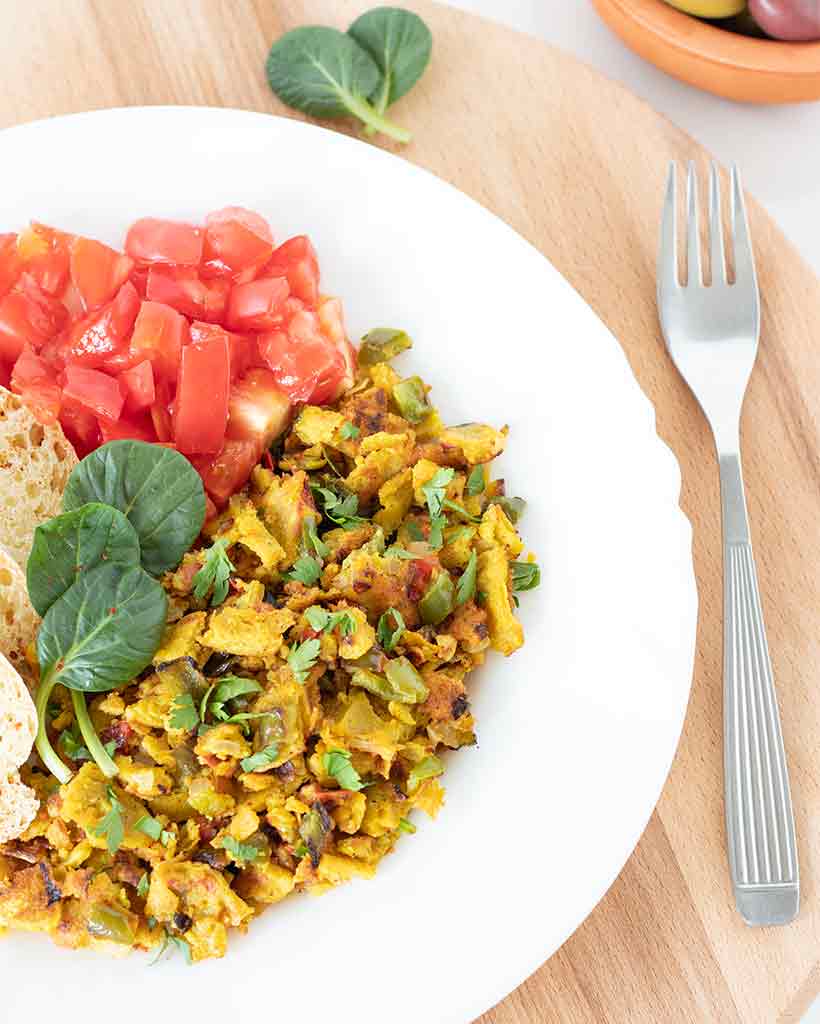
x=18, y=805
x=18, y=620
x=18, y=717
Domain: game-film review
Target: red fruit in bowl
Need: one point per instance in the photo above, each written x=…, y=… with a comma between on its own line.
x=791, y=20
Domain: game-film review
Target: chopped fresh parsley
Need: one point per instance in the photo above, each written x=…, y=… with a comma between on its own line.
x=243, y=853
x=303, y=657
x=184, y=714
x=337, y=764
x=349, y=431
x=387, y=635
x=311, y=541
x=261, y=759
x=153, y=829
x=71, y=744
x=398, y=552
x=306, y=569
x=323, y=621
x=525, y=575
x=300, y=850
x=466, y=584
x=475, y=481
x=143, y=885
x=169, y=944
x=436, y=536
x=111, y=826
x=214, y=573
x=341, y=511
x=406, y=826
x=454, y=506
x=435, y=489
x=225, y=690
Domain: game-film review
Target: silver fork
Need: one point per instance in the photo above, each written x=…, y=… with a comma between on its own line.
x=712, y=334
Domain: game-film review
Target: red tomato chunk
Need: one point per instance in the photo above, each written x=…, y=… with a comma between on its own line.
x=95, y=390
x=201, y=412
x=164, y=241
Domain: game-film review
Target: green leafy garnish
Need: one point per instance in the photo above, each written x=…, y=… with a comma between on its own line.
x=337, y=764
x=436, y=536
x=349, y=431
x=111, y=826
x=435, y=489
x=311, y=541
x=325, y=73
x=428, y=768
x=387, y=635
x=400, y=43
x=228, y=688
x=156, y=488
x=261, y=759
x=216, y=572
x=414, y=531
x=465, y=589
x=525, y=575
x=243, y=853
x=143, y=885
x=323, y=621
x=398, y=552
x=475, y=481
x=300, y=850
x=406, y=826
x=303, y=657
x=74, y=543
x=169, y=944
x=341, y=511
x=70, y=742
x=460, y=510
x=306, y=569
x=153, y=829
x=184, y=714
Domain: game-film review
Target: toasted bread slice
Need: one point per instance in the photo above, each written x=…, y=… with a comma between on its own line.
x=18, y=620
x=18, y=727
x=18, y=805
x=35, y=463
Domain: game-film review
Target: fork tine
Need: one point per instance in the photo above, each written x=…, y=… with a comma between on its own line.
x=668, y=250
x=716, y=228
x=741, y=238
x=694, y=273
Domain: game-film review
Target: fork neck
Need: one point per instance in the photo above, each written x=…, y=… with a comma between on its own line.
x=733, y=499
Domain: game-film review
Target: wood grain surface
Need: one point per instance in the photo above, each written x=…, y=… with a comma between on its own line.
x=576, y=165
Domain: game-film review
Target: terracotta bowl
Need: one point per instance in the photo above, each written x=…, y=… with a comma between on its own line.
x=735, y=66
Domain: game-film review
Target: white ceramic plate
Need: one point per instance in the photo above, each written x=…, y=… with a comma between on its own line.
x=577, y=730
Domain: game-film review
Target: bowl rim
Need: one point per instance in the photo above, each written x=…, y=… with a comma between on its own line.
x=710, y=43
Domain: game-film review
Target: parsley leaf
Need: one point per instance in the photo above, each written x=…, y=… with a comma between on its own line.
x=225, y=690
x=153, y=829
x=306, y=569
x=214, y=573
x=243, y=853
x=386, y=635
x=143, y=885
x=349, y=432
x=71, y=744
x=466, y=584
x=323, y=621
x=460, y=510
x=303, y=657
x=341, y=511
x=436, y=536
x=311, y=541
x=184, y=714
x=398, y=552
x=261, y=759
x=435, y=488
x=111, y=825
x=406, y=826
x=172, y=942
x=525, y=575
x=475, y=481
x=337, y=763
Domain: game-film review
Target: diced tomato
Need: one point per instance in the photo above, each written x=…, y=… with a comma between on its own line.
x=139, y=428
x=94, y=390
x=296, y=260
x=257, y=305
x=5, y=376
x=331, y=324
x=258, y=409
x=201, y=412
x=97, y=271
x=159, y=335
x=122, y=360
x=30, y=369
x=93, y=340
x=151, y=240
x=10, y=262
x=139, y=279
x=44, y=401
x=43, y=252
x=238, y=239
x=241, y=349
x=160, y=411
x=28, y=316
x=138, y=384
x=305, y=364
x=80, y=426
x=182, y=288
x=226, y=472
x=210, y=509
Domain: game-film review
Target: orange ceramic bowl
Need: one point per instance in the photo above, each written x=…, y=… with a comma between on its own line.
x=735, y=66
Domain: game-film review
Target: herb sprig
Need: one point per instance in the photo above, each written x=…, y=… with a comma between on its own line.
x=215, y=573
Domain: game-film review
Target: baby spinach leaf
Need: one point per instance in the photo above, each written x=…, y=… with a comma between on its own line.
x=400, y=43
x=325, y=73
x=103, y=631
x=72, y=544
x=156, y=488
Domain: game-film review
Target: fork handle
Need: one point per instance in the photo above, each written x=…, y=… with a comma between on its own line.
x=759, y=818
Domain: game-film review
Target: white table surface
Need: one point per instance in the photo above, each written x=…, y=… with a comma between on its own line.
x=776, y=148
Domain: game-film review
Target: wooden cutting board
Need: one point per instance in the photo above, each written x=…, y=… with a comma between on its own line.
x=575, y=164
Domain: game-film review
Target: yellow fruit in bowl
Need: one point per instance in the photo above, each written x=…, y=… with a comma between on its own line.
x=709, y=8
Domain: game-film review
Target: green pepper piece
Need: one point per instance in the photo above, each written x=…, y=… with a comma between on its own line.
x=105, y=922
x=428, y=768
x=373, y=683
x=411, y=398
x=408, y=686
x=382, y=344
x=438, y=601
x=513, y=508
